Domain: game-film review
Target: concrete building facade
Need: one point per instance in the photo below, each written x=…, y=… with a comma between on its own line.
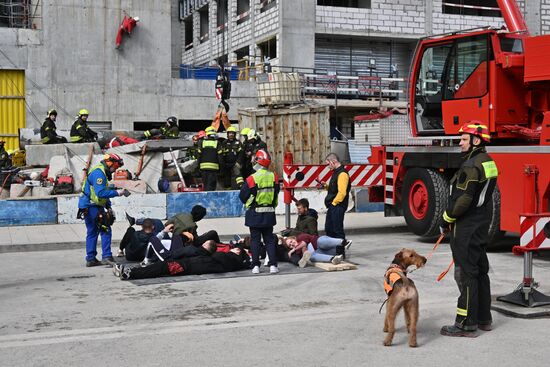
x=68, y=55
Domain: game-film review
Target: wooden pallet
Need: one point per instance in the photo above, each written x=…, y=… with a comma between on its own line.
x=340, y=267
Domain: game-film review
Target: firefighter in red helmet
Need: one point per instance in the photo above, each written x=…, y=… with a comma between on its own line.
x=259, y=195
x=467, y=218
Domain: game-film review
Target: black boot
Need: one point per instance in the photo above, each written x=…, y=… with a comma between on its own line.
x=130, y=219
x=341, y=250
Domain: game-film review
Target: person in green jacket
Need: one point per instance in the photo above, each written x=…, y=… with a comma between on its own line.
x=185, y=224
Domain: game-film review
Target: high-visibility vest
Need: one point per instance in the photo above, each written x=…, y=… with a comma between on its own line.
x=208, y=152
x=92, y=195
x=265, y=184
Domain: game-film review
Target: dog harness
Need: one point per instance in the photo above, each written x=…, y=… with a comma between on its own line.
x=394, y=274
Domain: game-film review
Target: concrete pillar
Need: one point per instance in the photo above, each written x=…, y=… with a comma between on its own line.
x=533, y=16
x=212, y=31
x=296, y=37
x=196, y=34
x=428, y=14
x=177, y=38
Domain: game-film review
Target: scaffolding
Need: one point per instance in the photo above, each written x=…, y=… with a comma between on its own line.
x=19, y=13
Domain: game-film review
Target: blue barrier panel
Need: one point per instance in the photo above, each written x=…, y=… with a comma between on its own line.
x=218, y=204
x=23, y=212
x=362, y=203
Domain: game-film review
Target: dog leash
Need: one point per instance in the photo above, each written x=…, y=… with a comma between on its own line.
x=442, y=275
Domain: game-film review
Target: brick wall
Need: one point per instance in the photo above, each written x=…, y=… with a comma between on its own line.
x=403, y=20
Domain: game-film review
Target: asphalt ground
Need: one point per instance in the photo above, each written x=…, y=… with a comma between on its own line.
x=56, y=312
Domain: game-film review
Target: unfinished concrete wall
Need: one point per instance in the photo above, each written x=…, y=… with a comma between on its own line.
x=71, y=63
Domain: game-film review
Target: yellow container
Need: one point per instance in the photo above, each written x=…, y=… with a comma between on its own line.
x=12, y=106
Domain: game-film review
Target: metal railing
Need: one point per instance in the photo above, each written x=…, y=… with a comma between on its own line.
x=19, y=13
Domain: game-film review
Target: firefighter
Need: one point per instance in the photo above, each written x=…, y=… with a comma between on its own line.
x=48, y=133
x=94, y=207
x=252, y=145
x=467, y=218
x=5, y=161
x=170, y=130
x=80, y=132
x=192, y=152
x=209, y=155
x=232, y=150
x=259, y=195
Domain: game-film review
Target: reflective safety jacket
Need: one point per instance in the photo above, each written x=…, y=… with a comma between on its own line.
x=472, y=186
x=80, y=132
x=209, y=153
x=95, y=190
x=260, y=193
x=48, y=131
x=164, y=132
x=232, y=151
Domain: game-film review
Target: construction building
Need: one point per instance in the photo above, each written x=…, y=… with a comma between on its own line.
x=65, y=54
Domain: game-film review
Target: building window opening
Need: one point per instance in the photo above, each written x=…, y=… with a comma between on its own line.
x=243, y=11
x=265, y=5
x=242, y=56
x=221, y=16
x=482, y=8
x=188, y=33
x=203, y=16
x=268, y=49
x=18, y=14
x=361, y=4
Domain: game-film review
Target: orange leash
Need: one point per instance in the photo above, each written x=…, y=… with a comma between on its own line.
x=442, y=275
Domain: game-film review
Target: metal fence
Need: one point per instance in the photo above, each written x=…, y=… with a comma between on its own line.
x=19, y=13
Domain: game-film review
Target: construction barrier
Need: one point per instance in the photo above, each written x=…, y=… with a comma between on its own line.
x=18, y=212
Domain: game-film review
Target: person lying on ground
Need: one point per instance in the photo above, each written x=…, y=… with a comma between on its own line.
x=283, y=250
x=134, y=243
x=318, y=249
x=219, y=262
x=187, y=222
x=306, y=222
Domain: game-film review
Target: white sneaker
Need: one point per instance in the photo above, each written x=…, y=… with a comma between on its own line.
x=256, y=270
x=305, y=259
x=337, y=259
x=273, y=269
x=266, y=261
x=347, y=244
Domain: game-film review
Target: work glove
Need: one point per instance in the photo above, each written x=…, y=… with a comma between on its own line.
x=123, y=192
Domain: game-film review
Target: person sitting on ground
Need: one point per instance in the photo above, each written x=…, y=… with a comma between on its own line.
x=48, y=130
x=318, y=249
x=219, y=262
x=187, y=222
x=306, y=222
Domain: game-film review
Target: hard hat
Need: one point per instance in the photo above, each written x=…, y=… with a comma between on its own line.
x=201, y=134
x=262, y=158
x=172, y=120
x=113, y=158
x=231, y=129
x=210, y=130
x=251, y=134
x=476, y=128
x=83, y=112
x=244, y=131
x=52, y=112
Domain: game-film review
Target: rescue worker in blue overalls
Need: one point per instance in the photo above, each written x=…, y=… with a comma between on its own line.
x=259, y=194
x=468, y=217
x=95, y=208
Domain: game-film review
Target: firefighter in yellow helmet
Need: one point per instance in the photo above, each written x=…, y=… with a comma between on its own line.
x=80, y=132
x=467, y=218
x=209, y=155
x=232, y=151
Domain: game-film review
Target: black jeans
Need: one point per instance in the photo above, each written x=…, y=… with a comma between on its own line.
x=256, y=235
x=135, y=250
x=207, y=236
x=209, y=179
x=334, y=223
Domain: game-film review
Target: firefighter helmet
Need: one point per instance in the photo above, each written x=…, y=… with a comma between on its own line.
x=262, y=158
x=251, y=134
x=210, y=130
x=83, y=112
x=113, y=159
x=476, y=128
x=201, y=134
x=231, y=129
x=244, y=131
x=172, y=121
x=52, y=112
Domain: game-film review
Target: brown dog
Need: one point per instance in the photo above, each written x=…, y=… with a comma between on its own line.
x=402, y=293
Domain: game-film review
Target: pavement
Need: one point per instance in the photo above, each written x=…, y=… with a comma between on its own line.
x=72, y=236
x=56, y=312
